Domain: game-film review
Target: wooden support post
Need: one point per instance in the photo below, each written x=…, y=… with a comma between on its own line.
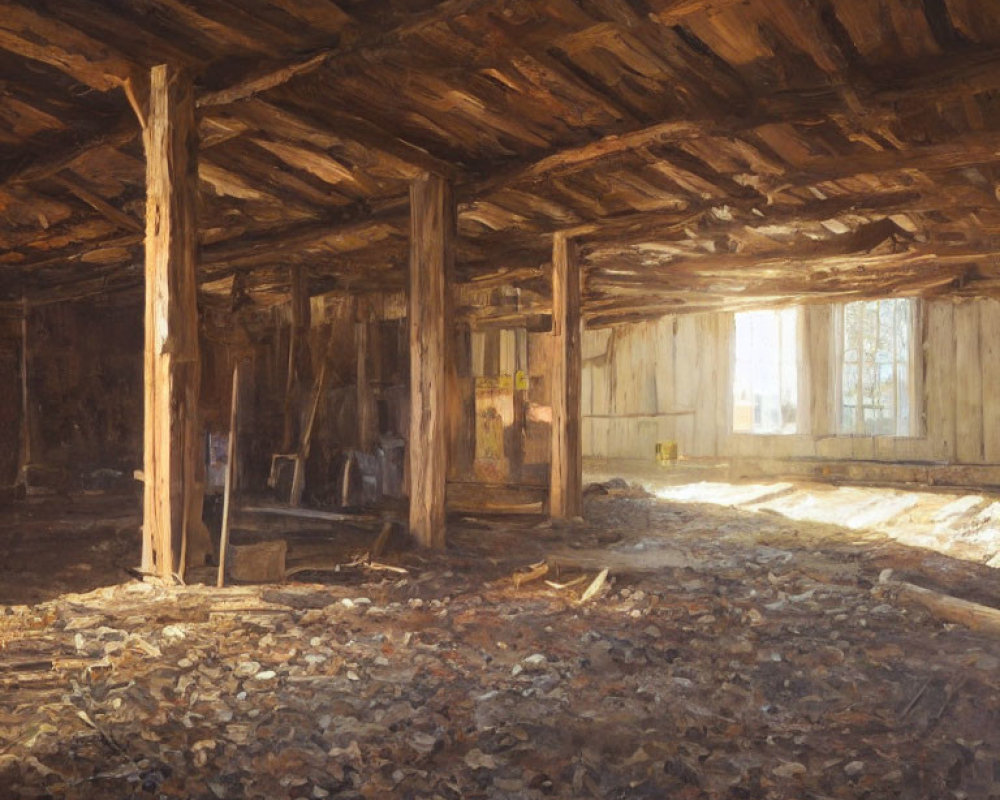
x=432, y=210
x=566, y=475
x=172, y=444
x=230, y=475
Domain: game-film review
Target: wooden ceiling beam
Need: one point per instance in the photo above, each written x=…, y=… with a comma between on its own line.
x=360, y=130
x=40, y=38
x=77, y=253
x=404, y=159
x=259, y=171
x=709, y=221
x=251, y=251
x=963, y=152
x=608, y=310
x=674, y=12
x=101, y=206
x=318, y=164
x=982, y=147
x=371, y=43
x=98, y=65
x=913, y=277
x=224, y=257
x=786, y=107
x=264, y=82
x=712, y=219
x=123, y=131
x=231, y=25
x=511, y=40
x=775, y=264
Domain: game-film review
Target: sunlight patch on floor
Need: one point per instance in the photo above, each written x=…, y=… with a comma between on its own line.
x=962, y=525
x=723, y=494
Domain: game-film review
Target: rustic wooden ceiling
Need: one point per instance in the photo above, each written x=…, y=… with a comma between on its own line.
x=708, y=153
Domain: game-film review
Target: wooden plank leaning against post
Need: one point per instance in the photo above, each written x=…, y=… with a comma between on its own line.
x=230, y=469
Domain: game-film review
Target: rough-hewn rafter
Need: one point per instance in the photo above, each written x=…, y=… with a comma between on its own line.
x=406, y=159
x=40, y=38
x=118, y=217
x=122, y=132
x=769, y=116
x=372, y=43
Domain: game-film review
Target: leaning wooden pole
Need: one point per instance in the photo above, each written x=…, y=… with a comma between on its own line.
x=172, y=369
x=431, y=241
x=365, y=401
x=566, y=474
x=227, y=490
x=298, y=351
x=22, y=473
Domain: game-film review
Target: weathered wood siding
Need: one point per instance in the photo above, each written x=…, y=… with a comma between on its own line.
x=669, y=380
x=85, y=388
x=656, y=381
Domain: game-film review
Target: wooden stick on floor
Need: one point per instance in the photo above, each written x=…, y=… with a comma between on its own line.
x=974, y=616
x=230, y=467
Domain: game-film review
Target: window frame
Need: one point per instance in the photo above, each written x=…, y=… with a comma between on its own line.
x=797, y=338
x=915, y=373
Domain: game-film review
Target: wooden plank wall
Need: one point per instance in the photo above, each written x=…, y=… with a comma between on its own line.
x=656, y=381
x=85, y=388
x=669, y=380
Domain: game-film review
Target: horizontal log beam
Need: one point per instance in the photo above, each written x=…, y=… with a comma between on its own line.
x=40, y=38
x=673, y=12
x=101, y=206
x=373, y=44
x=621, y=310
x=711, y=265
x=271, y=79
x=786, y=107
x=44, y=166
x=405, y=159
x=254, y=250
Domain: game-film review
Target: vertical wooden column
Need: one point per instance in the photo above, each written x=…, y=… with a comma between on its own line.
x=431, y=256
x=818, y=381
x=171, y=501
x=566, y=475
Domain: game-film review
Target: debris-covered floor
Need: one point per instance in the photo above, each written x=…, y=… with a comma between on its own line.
x=730, y=654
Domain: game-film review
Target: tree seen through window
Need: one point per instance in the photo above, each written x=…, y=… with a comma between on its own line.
x=876, y=381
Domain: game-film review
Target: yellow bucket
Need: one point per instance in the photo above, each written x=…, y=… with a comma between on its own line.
x=666, y=452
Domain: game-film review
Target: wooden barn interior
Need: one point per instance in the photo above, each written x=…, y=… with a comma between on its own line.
x=500, y=399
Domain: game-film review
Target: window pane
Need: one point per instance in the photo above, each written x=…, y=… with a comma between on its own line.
x=765, y=375
x=875, y=368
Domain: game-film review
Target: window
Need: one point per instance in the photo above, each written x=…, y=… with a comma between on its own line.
x=765, y=374
x=876, y=367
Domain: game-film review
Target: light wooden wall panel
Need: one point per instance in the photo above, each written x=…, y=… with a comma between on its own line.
x=989, y=343
x=939, y=379
x=670, y=379
x=968, y=384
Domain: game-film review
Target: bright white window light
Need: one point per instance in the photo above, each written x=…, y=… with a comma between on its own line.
x=765, y=374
